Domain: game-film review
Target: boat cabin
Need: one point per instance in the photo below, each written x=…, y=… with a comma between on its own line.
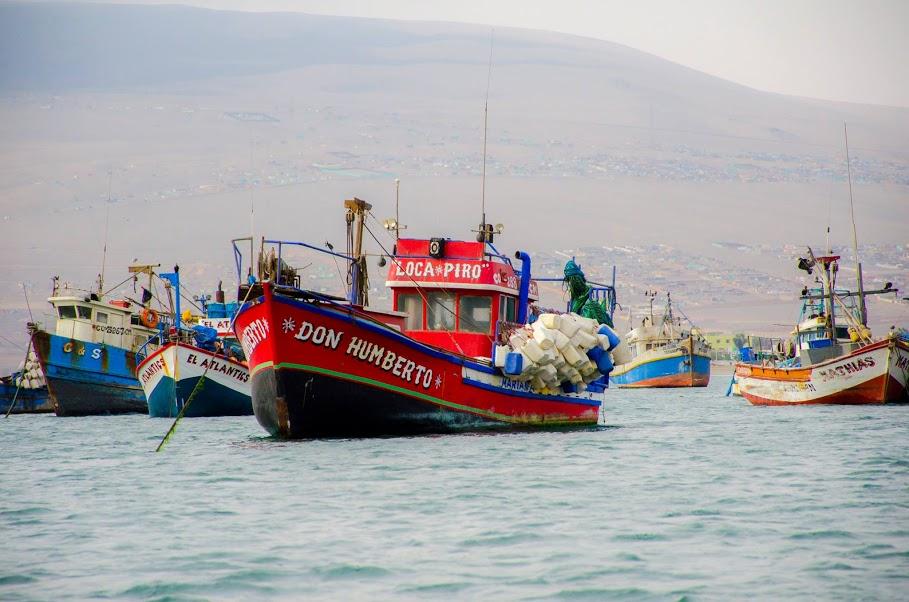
x=117, y=322
x=455, y=292
x=812, y=336
x=811, y=331
x=653, y=338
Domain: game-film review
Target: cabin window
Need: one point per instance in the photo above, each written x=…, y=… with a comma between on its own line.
x=474, y=313
x=101, y=317
x=508, y=308
x=412, y=305
x=67, y=312
x=440, y=314
x=84, y=312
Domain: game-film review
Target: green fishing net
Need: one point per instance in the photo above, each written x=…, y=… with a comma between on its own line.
x=581, y=301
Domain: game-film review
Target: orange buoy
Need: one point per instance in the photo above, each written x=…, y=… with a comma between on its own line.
x=149, y=318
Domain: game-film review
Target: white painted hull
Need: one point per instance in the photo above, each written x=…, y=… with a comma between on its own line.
x=877, y=373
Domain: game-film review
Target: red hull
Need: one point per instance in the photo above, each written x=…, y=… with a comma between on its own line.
x=324, y=369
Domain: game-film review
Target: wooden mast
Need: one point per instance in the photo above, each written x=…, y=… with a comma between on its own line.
x=356, y=215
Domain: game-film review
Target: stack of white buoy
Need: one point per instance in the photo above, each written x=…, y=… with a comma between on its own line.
x=558, y=353
x=30, y=374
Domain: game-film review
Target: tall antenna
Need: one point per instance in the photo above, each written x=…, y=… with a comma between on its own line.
x=485, y=123
x=110, y=179
x=829, y=213
x=252, y=205
x=397, y=208
x=863, y=316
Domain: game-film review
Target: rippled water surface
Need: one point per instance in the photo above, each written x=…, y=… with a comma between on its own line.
x=687, y=494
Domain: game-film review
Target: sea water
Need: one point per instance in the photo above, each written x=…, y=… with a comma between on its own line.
x=686, y=494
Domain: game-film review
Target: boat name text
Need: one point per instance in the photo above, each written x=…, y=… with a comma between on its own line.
x=902, y=361
x=253, y=334
x=213, y=365
x=319, y=335
x=111, y=329
x=847, y=368
x=797, y=387
x=152, y=369
x=222, y=325
x=516, y=385
x=389, y=361
x=429, y=269
x=79, y=349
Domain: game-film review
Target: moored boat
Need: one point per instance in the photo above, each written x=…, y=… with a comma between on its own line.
x=663, y=355
x=25, y=389
x=172, y=374
x=325, y=366
x=200, y=370
x=836, y=361
x=89, y=359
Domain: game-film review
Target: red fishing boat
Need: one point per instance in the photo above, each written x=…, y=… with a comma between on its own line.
x=326, y=366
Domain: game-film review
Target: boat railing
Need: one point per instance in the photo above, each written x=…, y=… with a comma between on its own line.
x=598, y=292
x=280, y=246
x=495, y=253
x=142, y=352
x=182, y=335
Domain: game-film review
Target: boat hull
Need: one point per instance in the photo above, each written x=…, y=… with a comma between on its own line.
x=321, y=370
x=171, y=374
x=672, y=370
x=28, y=401
x=874, y=374
x=85, y=379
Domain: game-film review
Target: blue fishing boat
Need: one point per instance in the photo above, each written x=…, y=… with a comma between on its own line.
x=201, y=369
x=28, y=401
x=89, y=359
x=664, y=355
x=26, y=387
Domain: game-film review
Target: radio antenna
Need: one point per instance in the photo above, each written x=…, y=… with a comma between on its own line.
x=110, y=180
x=252, y=201
x=485, y=128
x=863, y=315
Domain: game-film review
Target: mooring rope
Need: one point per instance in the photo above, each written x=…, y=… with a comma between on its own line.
x=197, y=388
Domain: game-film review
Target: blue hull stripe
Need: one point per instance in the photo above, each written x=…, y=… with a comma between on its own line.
x=212, y=399
x=662, y=368
x=89, y=378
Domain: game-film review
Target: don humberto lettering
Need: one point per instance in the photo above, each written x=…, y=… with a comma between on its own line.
x=407, y=370
x=364, y=350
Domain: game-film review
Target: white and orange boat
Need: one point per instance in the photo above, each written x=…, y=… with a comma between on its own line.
x=835, y=359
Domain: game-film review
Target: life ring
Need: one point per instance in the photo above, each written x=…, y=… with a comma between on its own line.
x=149, y=318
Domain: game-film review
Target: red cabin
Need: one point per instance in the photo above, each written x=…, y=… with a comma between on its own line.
x=454, y=292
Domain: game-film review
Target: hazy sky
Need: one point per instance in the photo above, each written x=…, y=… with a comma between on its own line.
x=834, y=49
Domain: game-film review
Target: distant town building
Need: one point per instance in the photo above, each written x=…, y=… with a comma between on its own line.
x=725, y=345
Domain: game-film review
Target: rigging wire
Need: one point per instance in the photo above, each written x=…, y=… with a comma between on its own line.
x=198, y=386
